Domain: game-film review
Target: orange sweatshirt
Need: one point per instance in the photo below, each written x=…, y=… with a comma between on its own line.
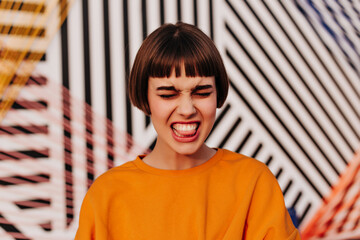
x=229, y=197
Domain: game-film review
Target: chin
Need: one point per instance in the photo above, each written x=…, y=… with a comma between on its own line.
x=187, y=149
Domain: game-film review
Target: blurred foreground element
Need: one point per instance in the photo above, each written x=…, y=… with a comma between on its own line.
x=26, y=29
x=48, y=160
x=339, y=217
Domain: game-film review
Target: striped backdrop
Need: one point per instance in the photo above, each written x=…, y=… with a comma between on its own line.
x=294, y=102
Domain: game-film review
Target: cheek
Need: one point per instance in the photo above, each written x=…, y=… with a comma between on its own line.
x=208, y=108
x=160, y=112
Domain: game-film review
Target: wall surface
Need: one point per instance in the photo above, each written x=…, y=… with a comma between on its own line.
x=294, y=104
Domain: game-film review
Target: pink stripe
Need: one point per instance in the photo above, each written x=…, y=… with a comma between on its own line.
x=34, y=129
x=15, y=155
x=30, y=104
x=33, y=204
x=32, y=179
x=37, y=80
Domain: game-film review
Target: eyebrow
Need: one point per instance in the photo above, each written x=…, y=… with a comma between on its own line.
x=172, y=88
x=202, y=87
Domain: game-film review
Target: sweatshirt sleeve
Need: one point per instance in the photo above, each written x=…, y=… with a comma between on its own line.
x=268, y=217
x=86, y=229
x=86, y=221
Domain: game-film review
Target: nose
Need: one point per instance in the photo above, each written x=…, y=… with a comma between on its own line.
x=186, y=106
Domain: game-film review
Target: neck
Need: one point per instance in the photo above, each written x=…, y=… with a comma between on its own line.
x=174, y=161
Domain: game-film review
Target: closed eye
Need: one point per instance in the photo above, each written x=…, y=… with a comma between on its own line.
x=167, y=96
x=205, y=94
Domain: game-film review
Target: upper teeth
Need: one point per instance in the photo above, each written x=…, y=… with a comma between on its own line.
x=185, y=127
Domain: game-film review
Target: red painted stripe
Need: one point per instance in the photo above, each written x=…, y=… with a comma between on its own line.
x=24, y=129
x=37, y=80
x=31, y=105
x=34, y=203
x=25, y=179
x=28, y=154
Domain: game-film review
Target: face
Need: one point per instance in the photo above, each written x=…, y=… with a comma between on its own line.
x=183, y=111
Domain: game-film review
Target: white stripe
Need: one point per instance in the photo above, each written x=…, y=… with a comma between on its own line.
x=278, y=130
x=187, y=11
x=203, y=7
x=118, y=81
x=153, y=15
x=170, y=10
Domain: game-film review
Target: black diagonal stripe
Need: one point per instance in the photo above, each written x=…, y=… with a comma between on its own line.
x=313, y=95
x=152, y=145
x=257, y=150
x=278, y=174
x=273, y=111
x=334, y=58
x=10, y=228
x=317, y=78
x=345, y=35
x=344, y=75
x=268, y=161
x=291, y=88
x=299, y=98
x=226, y=108
x=301, y=218
x=348, y=18
x=268, y=129
x=288, y=186
x=230, y=132
x=243, y=142
x=297, y=199
x=357, y=13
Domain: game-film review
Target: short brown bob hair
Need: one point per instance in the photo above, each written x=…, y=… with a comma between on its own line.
x=166, y=49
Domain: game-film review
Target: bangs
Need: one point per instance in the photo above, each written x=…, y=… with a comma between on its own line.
x=178, y=51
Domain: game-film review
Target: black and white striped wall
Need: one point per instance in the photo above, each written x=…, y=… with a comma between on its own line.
x=294, y=68
x=294, y=100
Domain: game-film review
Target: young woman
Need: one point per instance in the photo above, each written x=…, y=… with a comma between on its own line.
x=183, y=189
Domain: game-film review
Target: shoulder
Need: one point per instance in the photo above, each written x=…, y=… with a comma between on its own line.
x=247, y=169
x=242, y=161
x=115, y=176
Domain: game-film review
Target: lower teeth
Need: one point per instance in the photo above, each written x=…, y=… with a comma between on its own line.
x=180, y=135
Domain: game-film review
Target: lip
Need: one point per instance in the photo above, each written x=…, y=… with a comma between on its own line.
x=186, y=139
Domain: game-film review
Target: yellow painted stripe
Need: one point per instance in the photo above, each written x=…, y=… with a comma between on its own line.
x=21, y=6
x=22, y=30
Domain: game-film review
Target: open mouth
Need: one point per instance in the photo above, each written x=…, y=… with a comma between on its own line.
x=185, y=129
